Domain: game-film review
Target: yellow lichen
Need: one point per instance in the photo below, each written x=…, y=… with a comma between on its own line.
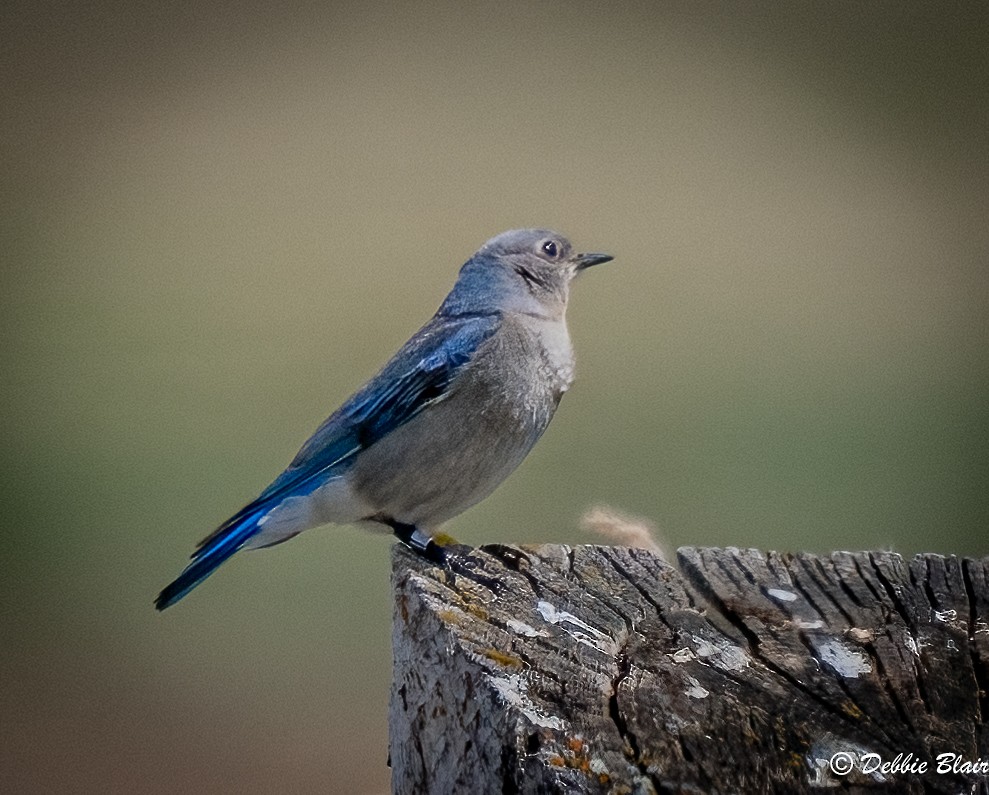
x=575, y=744
x=507, y=660
x=450, y=616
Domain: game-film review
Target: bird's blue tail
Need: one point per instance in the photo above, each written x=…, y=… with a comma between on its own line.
x=214, y=551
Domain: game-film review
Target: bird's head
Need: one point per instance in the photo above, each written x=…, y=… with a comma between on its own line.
x=523, y=270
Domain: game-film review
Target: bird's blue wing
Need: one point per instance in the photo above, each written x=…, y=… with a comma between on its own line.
x=418, y=375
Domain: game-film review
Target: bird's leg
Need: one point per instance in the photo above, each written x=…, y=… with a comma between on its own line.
x=418, y=541
x=453, y=556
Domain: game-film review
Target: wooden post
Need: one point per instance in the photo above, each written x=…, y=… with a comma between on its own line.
x=554, y=669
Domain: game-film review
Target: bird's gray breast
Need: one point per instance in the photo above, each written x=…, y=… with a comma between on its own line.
x=460, y=448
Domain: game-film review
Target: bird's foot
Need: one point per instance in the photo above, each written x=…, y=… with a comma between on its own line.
x=444, y=551
x=419, y=542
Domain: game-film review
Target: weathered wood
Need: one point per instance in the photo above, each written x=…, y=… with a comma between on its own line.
x=603, y=669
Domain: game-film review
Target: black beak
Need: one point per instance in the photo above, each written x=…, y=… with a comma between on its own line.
x=587, y=260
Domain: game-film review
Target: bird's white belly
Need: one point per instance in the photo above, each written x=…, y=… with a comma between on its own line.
x=335, y=502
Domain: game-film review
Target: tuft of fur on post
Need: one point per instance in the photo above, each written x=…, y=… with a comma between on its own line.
x=625, y=529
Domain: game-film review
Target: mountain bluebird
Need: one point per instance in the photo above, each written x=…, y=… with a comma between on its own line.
x=443, y=423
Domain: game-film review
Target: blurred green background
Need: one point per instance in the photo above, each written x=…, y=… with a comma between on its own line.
x=218, y=220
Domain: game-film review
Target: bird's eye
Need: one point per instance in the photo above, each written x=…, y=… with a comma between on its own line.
x=550, y=248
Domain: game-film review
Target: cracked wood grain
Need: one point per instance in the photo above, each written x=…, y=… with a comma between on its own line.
x=542, y=669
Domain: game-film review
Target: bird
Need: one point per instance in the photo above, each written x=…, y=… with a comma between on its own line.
x=441, y=425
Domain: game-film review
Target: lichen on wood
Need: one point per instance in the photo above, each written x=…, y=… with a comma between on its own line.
x=604, y=669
